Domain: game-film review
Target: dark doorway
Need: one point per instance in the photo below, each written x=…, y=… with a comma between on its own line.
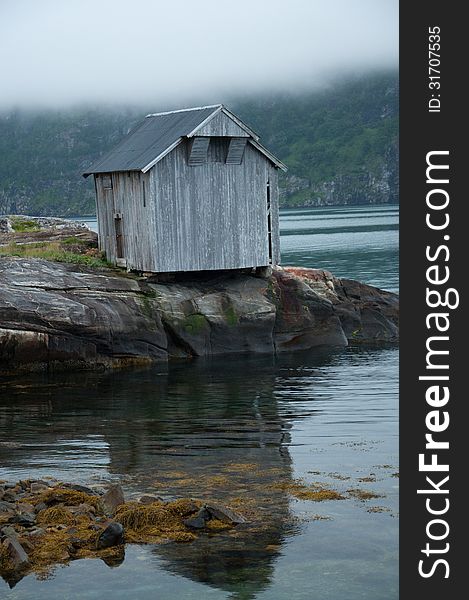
x=269, y=221
x=119, y=236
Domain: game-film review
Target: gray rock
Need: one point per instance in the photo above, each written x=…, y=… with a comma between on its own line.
x=36, y=532
x=23, y=519
x=200, y=519
x=40, y=506
x=25, y=507
x=83, y=509
x=10, y=496
x=77, y=542
x=149, y=499
x=8, y=531
x=112, y=499
x=57, y=315
x=224, y=514
x=113, y=535
x=304, y=318
x=16, y=552
x=7, y=507
x=366, y=313
x=39, y=486
x=80, y=488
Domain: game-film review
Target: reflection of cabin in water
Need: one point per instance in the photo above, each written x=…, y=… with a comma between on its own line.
x=189, y=190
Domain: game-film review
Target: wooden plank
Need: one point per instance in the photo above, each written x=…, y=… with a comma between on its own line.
x=236, y=151
x=213, y=216
x=210, y=217
x=198, y=151
x=220, y=125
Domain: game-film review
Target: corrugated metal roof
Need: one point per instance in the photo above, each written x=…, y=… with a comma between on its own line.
x=149, y=139
x=156, y=135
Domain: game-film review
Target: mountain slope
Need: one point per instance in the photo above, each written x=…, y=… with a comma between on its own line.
x=341, y=147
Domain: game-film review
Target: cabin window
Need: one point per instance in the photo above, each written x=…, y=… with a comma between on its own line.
x=222, y=149
x=218, y=149
x=198, y=151
x=107, y=182
x=235, y=151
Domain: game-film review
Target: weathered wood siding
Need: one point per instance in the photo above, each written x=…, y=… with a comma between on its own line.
x=213, y=216
x=127, y=198
x=192, y=218
x=221, y=124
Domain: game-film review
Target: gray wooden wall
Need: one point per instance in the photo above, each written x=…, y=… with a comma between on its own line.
x=204, y=217
x=138, y=224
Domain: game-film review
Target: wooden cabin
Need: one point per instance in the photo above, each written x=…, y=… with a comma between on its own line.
x=188, y=190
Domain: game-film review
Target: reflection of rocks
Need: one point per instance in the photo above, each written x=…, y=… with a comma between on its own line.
x=211, y=430
x=61, y=316
x=65, y=524
x=199, y=430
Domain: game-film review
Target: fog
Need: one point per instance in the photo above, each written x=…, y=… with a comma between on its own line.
x=56, y=53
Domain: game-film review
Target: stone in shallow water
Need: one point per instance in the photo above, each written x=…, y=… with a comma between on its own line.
x=80, y=488
x=113, y=498
x=224, y=514
x=113, y=535
x=16, y=552
x=198, y=522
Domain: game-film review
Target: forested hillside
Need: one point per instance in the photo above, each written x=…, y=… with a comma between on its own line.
x=341, y=147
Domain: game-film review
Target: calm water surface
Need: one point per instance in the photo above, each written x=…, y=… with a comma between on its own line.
x=358, y=242
x=231, y=430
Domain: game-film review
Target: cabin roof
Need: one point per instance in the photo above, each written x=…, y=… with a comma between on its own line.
x=159, y=133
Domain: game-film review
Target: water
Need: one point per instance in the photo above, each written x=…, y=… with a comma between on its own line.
x=359, y=242
x=233, y=429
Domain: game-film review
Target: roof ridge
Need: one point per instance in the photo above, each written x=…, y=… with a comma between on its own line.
x=170, y=112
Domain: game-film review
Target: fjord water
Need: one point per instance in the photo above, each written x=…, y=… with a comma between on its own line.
x=358, y=242
x=231, y=429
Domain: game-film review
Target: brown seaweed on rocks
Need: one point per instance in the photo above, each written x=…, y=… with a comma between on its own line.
x=56, y=524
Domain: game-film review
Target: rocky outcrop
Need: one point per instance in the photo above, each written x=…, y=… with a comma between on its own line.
x=366, y=313
x=61, y=316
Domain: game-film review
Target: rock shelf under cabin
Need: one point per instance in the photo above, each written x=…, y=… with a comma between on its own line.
x=63, y=313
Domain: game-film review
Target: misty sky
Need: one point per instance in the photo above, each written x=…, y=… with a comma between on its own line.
x=63, y=52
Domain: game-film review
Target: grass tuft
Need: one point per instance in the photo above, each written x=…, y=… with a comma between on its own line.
x=54, y=252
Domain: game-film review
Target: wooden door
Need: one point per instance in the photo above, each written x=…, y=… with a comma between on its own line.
x=119, y=235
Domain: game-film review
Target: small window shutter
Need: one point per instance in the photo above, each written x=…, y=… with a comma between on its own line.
x=198, y=151
x=236, y=151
